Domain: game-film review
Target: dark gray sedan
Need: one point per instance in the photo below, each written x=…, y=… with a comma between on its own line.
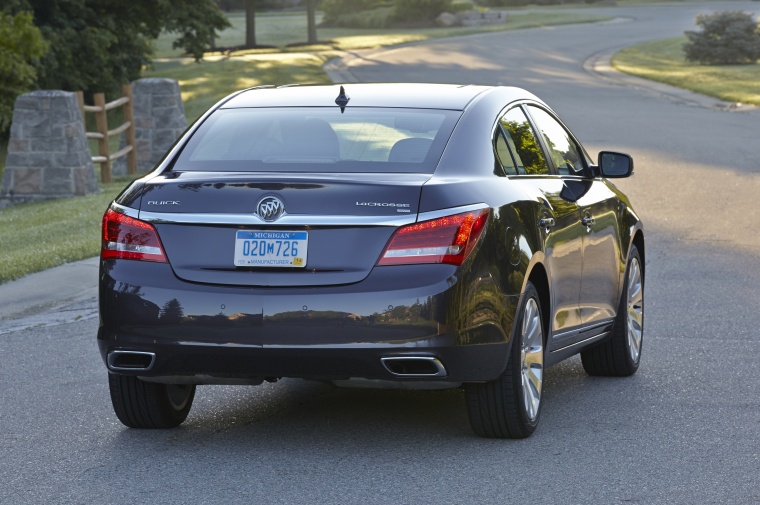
x=383, y=235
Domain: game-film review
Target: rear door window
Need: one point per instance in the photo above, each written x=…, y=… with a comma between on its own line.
x=521, y=140
x=319, y=139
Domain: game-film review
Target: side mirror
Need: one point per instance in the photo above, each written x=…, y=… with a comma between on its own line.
x=615, y=165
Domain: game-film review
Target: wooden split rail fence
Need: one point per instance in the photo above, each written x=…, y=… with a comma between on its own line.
x=100, y=109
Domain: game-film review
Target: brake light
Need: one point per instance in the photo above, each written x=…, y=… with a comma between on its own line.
x=448, y=240
x=127, y=238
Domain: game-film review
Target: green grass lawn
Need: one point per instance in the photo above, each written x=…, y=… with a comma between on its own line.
x=206, y=82
x=663, y=61
x=37, y=236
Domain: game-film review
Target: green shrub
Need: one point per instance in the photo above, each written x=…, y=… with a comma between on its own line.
x=506, y=3
x=420, y=12
x=380, y=17
x=334, y=10
x=461, y=7
x=21, y=44
x=727, y=38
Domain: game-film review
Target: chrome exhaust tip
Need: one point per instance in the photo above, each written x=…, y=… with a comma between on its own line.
x=414, y=366
x=131, y=361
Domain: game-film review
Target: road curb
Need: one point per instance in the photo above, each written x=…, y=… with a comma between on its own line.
x=600, y=65
x=56, y=290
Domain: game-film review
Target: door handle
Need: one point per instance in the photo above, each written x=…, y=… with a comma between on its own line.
x=588, y=221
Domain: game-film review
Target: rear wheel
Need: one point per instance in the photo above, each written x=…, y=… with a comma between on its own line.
x=140, y=404
x=509, y=407
x=620, y=355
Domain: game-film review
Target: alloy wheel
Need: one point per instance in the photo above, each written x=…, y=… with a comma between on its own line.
x=532, y=359
x=635, y=310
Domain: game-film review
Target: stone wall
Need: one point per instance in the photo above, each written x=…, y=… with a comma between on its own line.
x=159, y=119
x=48, y=154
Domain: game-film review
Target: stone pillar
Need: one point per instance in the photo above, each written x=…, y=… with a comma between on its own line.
x=159, y=120
x=48, y=154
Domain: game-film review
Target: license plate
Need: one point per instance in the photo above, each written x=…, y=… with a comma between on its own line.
x=283, y=249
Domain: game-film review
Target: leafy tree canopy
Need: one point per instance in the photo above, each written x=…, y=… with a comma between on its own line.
x=21, y=44
x=96, y=45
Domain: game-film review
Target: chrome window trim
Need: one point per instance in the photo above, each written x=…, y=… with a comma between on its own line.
x=435, y=214
x=127, y=211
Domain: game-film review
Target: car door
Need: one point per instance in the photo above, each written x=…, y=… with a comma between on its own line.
x=597, y=205
x=557, y=218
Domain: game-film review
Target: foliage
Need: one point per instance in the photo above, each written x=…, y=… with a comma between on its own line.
x=420, y=11
x=379, y=17
x=506, y=3
x=727, y=38
x=21, y=44
x=96, y=45
x=335, y=11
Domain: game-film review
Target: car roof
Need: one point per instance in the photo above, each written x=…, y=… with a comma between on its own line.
x=403, y=95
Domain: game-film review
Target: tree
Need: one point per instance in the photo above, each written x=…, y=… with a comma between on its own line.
x=311, y=21
x=727, y=38
x=250, y=23
x=21, y=44
x=96, y=45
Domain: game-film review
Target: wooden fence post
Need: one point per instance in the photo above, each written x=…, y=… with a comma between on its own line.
x=102, y=123
x=129, y=117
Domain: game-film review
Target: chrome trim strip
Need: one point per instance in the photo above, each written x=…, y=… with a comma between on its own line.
x=601, y=336
x=296, y=219
x=583, y=329
x=286, y=220
x=127, y=211
x=435, y=214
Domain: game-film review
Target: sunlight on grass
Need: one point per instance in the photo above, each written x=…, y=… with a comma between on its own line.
x=663, y=61
x=203, y=84
x=280, y=30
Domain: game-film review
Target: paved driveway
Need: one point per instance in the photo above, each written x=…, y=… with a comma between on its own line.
x=684, y=430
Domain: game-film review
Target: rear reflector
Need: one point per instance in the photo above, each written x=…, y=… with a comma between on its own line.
x=448, y=240
x=131, y=239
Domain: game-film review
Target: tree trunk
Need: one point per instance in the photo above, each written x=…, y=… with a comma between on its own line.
x=311, y=14
x=250, y=23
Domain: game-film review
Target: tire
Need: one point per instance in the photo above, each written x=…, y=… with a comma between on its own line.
x=620, y=355
x=140, y=404
x=510, y=406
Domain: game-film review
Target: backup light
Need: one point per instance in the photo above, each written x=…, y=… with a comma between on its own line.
x=131, y=239
x=447, y=240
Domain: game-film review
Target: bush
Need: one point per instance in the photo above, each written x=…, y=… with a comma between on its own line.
x=380, y=17
x=727, y=38
x=21, y=44
x=420, y=12
x=335, y=10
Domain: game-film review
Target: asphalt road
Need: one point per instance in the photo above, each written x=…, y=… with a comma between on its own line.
x=684, y=430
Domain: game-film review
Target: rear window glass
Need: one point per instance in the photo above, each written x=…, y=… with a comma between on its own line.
x=319, y=140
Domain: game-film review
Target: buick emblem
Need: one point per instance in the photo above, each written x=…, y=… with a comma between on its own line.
x=270, y=208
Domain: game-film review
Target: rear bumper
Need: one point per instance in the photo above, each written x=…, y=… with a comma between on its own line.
x=331, y=333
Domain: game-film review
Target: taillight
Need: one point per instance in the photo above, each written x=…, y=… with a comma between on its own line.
x=130, y=239
x=448, y=239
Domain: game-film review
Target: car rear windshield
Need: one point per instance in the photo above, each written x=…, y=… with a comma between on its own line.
x=319, y=139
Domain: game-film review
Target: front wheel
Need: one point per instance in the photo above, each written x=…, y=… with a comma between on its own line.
x=509, y=407
x=140, y=404
x=621, y=354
